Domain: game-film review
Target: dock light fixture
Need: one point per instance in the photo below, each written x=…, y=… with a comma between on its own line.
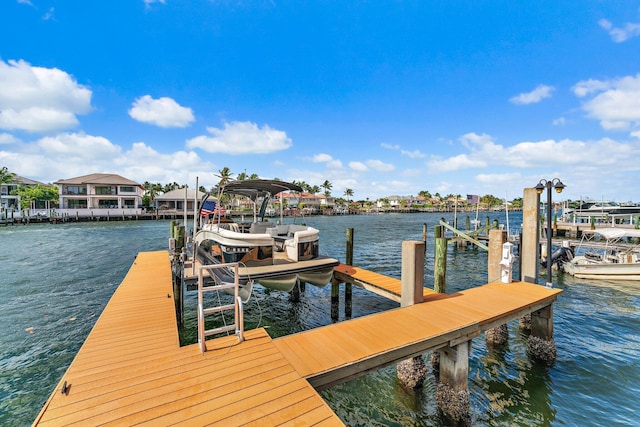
x=559, y=186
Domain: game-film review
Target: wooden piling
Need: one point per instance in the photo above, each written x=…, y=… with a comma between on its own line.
x=440, y=261
x=412, y=273
x=348, y=286
x=496, y=239
x=335, y=299
x=500, y=334
x=530, y=237
x=412, y=372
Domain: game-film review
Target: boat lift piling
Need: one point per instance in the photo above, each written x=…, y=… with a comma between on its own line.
x=335, y=285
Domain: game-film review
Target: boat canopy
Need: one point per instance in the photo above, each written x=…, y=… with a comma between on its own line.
x=615, y=233
x=254, y=188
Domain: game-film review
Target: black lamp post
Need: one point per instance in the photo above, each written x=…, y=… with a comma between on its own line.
x=559, y=186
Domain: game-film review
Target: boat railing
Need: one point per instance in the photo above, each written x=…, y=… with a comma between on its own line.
x=238, y=324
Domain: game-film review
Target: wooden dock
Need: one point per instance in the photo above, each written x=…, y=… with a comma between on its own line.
x=131, y=369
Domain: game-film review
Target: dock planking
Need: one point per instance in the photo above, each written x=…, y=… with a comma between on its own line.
x=131, y=369
x=332, y=354
x=388, y=287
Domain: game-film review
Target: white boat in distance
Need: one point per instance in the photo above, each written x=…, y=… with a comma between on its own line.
x=615, y=260
x=275, y=255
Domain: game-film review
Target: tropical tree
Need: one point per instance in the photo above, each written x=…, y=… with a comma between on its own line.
x=255, y=176
x=424, y=193
x=225, y=176
x=327, y=187
x=313, y=190
x=490, y=200
x=36, y=193
x=241, y=176
x=151, y=191
x=349, y=193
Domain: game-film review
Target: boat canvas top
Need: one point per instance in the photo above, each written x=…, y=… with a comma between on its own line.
x=255, y=188
x=615, y=233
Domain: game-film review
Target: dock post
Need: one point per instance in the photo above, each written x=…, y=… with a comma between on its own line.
x=335, y=299
x=541, y=344
x=412, y=372
x=500, y=334
x=348, y=286
x=530, y=237
x=440, y=261
x=452, y=395
x=496, y=239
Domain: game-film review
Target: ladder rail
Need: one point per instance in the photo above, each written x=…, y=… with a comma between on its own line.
x=237, y=307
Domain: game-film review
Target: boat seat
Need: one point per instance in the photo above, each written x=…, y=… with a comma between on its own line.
x=260, y=227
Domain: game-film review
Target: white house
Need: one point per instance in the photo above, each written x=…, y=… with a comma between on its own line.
x=10, y=201
x=175, y=199
x=101, y=192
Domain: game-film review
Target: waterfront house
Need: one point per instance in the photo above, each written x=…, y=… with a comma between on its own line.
x=11, y=201
x=102, y=193
x=175, y=199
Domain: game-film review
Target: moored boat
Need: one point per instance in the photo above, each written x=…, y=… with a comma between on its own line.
x=617, y=258
x=274, y=255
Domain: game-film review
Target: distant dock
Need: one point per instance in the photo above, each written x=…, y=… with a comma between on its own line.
x=132, y=370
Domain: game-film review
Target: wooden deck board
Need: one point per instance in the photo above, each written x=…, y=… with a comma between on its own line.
x=390, y=336
x=131, y=369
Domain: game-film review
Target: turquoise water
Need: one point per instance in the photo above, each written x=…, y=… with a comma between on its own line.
x=56, y=279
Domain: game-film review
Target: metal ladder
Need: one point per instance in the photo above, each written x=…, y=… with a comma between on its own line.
x=238, y=324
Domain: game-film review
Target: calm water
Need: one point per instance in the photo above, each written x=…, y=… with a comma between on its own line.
x=56, y=279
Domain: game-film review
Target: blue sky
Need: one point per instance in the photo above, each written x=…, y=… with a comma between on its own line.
x=382, y=97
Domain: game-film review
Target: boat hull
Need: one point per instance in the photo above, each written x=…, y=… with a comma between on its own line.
x=583, y=268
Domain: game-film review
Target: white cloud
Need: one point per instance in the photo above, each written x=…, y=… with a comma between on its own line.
x=241, y=138
x=358, y=166
x=615, y=103
x=536, y=95
x=76, y=146
x=415, y=154
x=75, y=154
x=6, y=138
x=390, y=146
x=163, y=112
x=621, y=34
x=321, y=158
x=37, y=99
x=560, y=121
x=380, y=166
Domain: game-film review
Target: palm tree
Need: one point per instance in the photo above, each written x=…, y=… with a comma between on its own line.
x=241, y=176
x=5, y=178
x=225, y=176
x=327, y=187
x=313, y=190
x=349, y=193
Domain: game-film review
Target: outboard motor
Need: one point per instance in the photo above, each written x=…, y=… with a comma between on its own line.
x=559, y=257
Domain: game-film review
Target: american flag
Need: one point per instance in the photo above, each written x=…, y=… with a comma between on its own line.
x=473, y=199
x=208, y=208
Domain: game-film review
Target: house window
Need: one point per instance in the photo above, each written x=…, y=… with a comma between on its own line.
x=74, y=190
x=129, y=203
x=107, y=204
x=127, y=189
x=76, y=204
x=102, y=191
